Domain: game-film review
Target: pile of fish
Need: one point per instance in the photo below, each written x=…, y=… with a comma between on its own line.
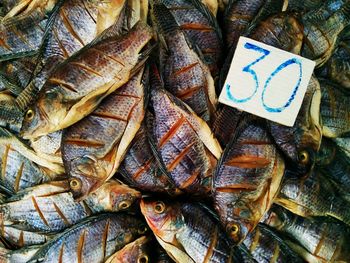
x=114, y=147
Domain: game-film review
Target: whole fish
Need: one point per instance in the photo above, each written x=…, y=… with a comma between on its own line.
x=266, y=246
x=185, y=75
x=316, y=239
x=50, y=208
x=185, y=143
x=313, y=195
x=301, y=142
x=19, y=256
x=141, y=169
x=322, y=28
x=138, y=251
x=92, y=240
x=72, y=27
x=77, y=86
x=93, y=148
x=335, y=112
x=187, y=231
x=20, y=165
x=200, y=28
x=246, y=180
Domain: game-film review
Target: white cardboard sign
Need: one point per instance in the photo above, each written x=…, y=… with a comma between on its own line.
x=267, y=81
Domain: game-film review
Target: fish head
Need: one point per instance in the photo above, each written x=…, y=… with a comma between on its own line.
x=137, y=251
x=113, y=196
x=43, y=116
x=277, y=217
x=83, y=179
x=163, y=219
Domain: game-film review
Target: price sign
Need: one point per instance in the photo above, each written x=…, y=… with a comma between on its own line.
x=267, y=81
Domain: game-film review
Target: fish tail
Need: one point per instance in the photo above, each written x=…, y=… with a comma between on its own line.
x=27, y=96
x=164, y=19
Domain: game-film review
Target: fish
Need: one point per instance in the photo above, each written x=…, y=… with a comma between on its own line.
x=303, y=6
x=187, y=231
x=212, y=5
x=93, y=148
x=301, y=142
x=161, y=256
x=312, y=195
x=138, y=251
x=21, y=167
x=201, y=28
x=266, y=246
x=141, y=169
x=11, y=116
x=322, y=28
x=185, y=75
x=335, y=113
x=98, y=71
x=344, y=144
x=337, y=68
x=75, y=25
x=21, y=255
x=316, y=239
x=184, y=142
x=247, y=179
x=92, y=240
x=50, y=208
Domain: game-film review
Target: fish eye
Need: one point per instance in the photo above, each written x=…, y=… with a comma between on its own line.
x=29, y=115
x=233, y=230
x=75, y=184
x=303, y=157
x=124, y=205
x=142, y=259
x=159, y=207
x=142, y=230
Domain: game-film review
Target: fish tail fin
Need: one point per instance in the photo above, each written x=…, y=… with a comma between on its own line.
x=163, y=18
x=27, y=96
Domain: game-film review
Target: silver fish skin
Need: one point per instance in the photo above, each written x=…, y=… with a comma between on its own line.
x=92, y=240
x=19, y=256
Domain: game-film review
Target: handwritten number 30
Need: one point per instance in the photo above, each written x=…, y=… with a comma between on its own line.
x=248, y=69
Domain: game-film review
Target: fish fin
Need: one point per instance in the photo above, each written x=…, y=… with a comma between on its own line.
x=164, y=19
x=175, y=253
x=143, y=57
x=13, y=88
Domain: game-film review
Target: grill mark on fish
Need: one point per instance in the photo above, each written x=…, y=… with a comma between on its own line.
x=83, y=142
x=247, y=161
x=172, y=131
x=3, y=43
x=80, y=247
x=198, y=27
x=21, y=239
x=37, y=208
x=179, y=158
x=128, y=95
x=276, y=253
x=86, y=208
x=184, y=69
x=104, y=238
x=132, y=110
x=237, y=188
x=143, y=169
x=4, y=161
x=188, y=93
x=321, y=241
x=211, y=247
x=63, y=84
x=20, y=35
x=106, y=115
x=18, y=176
x=240, y=17
x=70, y=27
x=65, y=52
x=60, y=257
x=255, y=241
x=190, y=180
x=88, y=11
x=86, y=68
x=109, y=56
x=208, y=51
x=60, y=213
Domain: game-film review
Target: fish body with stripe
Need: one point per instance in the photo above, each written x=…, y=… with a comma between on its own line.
x=267, y=247
x=184, y=142
x=316, y=239
x=185, y=74
x=313, y=195
x=93, y=148
x=187, y=231
x=91, y=240
x=50, y=208
x=335, y=111
x=78, y=85
x=247, y=179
